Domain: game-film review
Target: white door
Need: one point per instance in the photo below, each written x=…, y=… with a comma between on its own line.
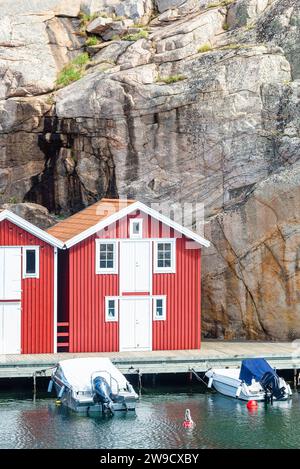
x=135, y=324
x=10, y=328
x=135, y=266
x=10, y=273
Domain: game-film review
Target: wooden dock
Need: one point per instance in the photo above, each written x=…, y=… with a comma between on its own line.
x=282, y=355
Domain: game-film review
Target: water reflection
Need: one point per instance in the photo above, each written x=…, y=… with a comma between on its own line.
x=220, y=423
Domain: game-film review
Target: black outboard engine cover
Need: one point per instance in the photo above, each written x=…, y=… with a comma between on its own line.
x=270, y=384
x=103, y=393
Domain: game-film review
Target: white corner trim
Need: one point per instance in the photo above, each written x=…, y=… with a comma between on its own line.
x=55, y=301
x=26, y=225
x=131, y=222
x=116, y=300
x=37, y=261
x=100, y=270
x=126, y=211
x=165, y=270
x=164, y=303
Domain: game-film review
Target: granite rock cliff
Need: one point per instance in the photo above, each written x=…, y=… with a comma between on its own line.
x=181, y=101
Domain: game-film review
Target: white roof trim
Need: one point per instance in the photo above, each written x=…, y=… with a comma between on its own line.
x=126, y=211
x=26, y=225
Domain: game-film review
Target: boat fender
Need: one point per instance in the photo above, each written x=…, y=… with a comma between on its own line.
x=58, y=402
x=252, y=404
x=129, y=387
x=188, y=422
x=50, y=386
x=238, y=391
x=62, y=390
x=210, y=382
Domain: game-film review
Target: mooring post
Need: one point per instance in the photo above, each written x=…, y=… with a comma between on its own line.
x=34, y=385
x=140, y=382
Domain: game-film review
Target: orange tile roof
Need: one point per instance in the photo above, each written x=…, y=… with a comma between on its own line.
x=90, y=216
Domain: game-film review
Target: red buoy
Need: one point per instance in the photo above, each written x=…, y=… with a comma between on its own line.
x=252, y=404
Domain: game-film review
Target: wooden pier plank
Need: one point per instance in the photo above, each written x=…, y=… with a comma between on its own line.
x=212, y=354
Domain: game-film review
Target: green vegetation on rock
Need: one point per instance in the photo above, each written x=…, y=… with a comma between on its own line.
x=92, y=41
x=204, y=48
x=171, y=79
x=141, y=34
x=73, y=71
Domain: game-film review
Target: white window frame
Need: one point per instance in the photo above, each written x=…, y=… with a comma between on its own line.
x=166, y=270
x=37, y=261
x=164, y=303
x=101, y=270
x=116, y=300
x=133, y=235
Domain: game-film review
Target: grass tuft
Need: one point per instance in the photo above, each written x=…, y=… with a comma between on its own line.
x=142, y=34
x=92, y=41
x=73, y=71
x=171, y=79
x=204, y=48
x=223, y=3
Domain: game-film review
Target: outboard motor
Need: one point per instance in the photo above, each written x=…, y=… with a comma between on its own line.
x=270, y=384
x=103, y=393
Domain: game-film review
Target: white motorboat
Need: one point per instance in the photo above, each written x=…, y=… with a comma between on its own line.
x=88, y=385
x=254, y=380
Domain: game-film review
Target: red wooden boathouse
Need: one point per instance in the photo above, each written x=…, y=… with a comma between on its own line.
x=28, y=287
x=129, y=279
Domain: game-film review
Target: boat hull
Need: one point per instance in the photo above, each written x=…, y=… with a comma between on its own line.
x=85, y=405
x=233, y=387
x=230, y=390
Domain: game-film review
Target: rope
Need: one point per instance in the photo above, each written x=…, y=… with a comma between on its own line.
x=198, y=377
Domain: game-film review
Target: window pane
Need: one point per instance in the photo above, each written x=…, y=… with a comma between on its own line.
x=168, y=255
x=167, y=263
x=160, y=246
x=160, y=255
x=136, y=228
x=160, y=263
x=111, y=309
x=30, y=261
x=107, y=255
x=159, y=310
x=167, y=246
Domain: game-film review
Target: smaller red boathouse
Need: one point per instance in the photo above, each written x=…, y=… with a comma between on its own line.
x=28, y=287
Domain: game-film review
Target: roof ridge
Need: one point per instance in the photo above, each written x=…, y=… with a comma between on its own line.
x=76, y=223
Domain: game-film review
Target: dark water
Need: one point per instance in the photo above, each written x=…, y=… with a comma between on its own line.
x=220, y=423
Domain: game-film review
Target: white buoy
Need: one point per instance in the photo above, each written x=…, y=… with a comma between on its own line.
x=188, y=422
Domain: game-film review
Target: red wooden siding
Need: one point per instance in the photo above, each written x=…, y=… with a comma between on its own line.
x=87, y=290
x=88, y=330
x=181, y=329
x=37, y=293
